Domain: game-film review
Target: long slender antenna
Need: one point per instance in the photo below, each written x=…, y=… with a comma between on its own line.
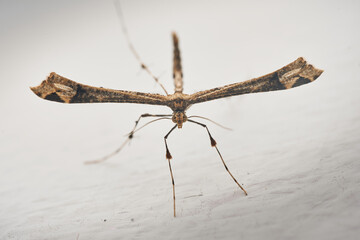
x=131, y=134
x=131, y=46
x=146, y=115
x=216, y=123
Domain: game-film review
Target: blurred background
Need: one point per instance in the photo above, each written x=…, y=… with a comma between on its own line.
x=296, y=152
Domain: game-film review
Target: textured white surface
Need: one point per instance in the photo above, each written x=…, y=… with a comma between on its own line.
x=296, y=152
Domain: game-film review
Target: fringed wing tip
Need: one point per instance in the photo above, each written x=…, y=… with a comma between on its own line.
x=316, y=72
x=55, y=88
x=40, y=89
x=309, y=70
x=36, y=90
x=297, y=73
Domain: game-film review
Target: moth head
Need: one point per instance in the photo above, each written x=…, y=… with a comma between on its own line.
x=179, y=118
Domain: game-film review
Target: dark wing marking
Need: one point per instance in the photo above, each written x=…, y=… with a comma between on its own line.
x=60, y=89
x=292, y=75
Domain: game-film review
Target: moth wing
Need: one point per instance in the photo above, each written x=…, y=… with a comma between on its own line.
x=292, y=75
x=59, y=89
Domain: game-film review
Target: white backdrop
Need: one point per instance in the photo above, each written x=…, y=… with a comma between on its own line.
x=296, y=152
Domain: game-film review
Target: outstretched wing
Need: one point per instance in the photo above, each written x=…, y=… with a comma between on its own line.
x=292, y=75
x=60, y=89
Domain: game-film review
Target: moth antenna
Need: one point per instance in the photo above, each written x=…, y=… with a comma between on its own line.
x=131, y=133
x=131, y=46
x=208, y=119
x=147, y=124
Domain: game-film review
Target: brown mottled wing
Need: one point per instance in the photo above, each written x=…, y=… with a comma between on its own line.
x=59, y=89
x=292, y=75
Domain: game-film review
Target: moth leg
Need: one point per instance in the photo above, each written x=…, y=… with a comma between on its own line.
x=131, y=46
x=169, y=157
x=130, y=136
x=213, y=144
x=103, y=159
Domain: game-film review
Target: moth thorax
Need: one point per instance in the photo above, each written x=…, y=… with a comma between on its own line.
x=179, y=118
